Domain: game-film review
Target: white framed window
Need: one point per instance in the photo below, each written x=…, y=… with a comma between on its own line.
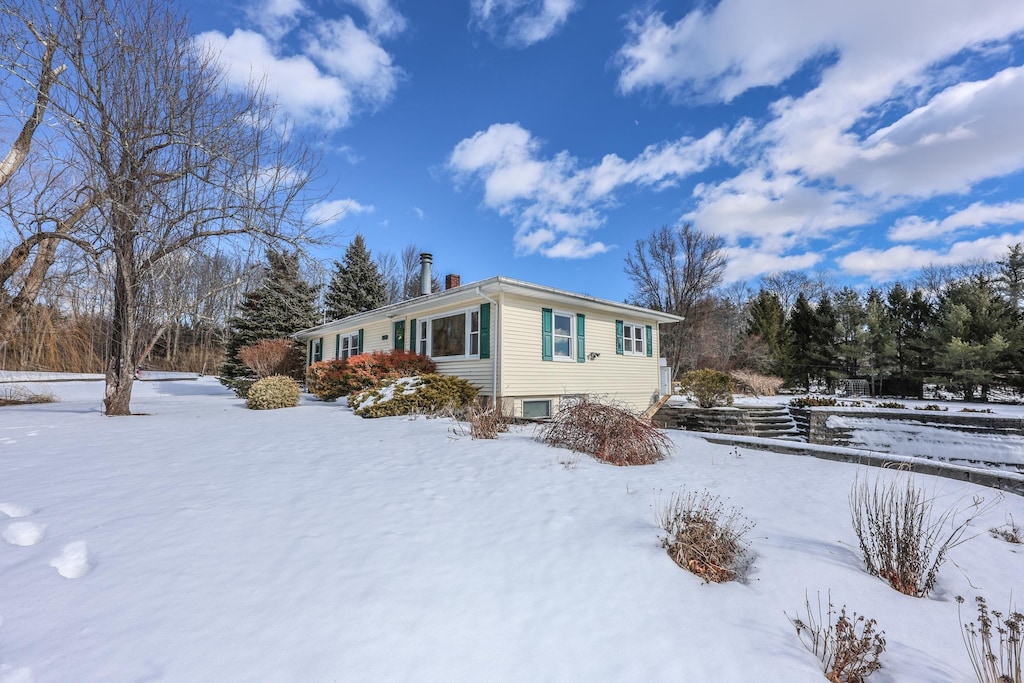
x=349, y=345
x=633, y=342
x=421, y=337
x=536, y=409
x=562, y=336
x=452, y=336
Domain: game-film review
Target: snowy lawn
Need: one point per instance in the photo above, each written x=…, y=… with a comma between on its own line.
x=206, y=542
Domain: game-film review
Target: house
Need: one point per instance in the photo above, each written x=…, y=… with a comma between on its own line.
x=534, y=346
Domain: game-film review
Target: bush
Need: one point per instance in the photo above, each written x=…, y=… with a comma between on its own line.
x=239, y=385
x=19, y=395
x=813, y=402
x=757, y=384
x=326, y=379
x=369, y=369
x=932, y=406
x=1009, y=532
x=427, y=394
x=703, y=537
x=848, y=647
x=487, y=422
x=894, y=405
x=276, y=391
x=900, y=539
x=710, y=388
x=977, y=410
x=1000, y=664
x=273, y=357
x=606, y=431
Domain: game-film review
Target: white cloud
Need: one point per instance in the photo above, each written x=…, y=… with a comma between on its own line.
x=977, y=215
x=521, y=23
x=334, y=210
x=553, y=202
x=385, y=20
x=884, y=264
x=747, y=263
x=353, y=56
x=276, y=18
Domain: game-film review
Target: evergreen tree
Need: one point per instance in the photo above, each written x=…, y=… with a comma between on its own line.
x=880, y=346
x=802, y=322
x=767, y=322
x=280, y=306
x=824, y=341
x=1011, y=278
x=852, y=331
x=357, y=284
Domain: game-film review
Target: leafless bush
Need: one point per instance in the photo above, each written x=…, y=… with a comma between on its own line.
x=848, y=646
x=486, y=422
x=272, y=357
x=609, y=432
x=1002, y=663
x=703, y=536
x=1009, y=532
x=900, y=538
x=756, y=383
x=18, y=395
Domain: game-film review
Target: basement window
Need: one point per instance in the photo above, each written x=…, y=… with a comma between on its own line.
x=536, y=410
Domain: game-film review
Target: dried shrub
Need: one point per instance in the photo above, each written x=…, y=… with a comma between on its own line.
x=19, y=395
x=709, y=388
x=848, y=646
x=756, y=383
x=486, y=422
x=430, y=394
x=370, y=369
x=1009, y=532
x=273, y=357
x=270, y=393
x=326, y=379
x=703, y=536
x=988, y=411
x=931, y=406
x=1002, y=663
x=812, y=402
x=609, y=432
x=901, y=539
x=893, y=405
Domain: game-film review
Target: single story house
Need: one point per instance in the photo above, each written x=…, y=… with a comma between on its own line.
x=531, y=345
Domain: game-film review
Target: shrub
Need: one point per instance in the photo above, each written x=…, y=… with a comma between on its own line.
x=812, y=401
x=757, y=384
x=710, y=388
x=606, y=431
x=427, y=394
x=369, y=369
x=1009, y=532
x=273, y=357
x=1003, y=663
x=900, y=539
x=931, y=406
x=18, y=395
x=326, y=379
x=276, y=391
x=894, y=405
x=848, y=647
x=487, y=422
x=703, y=537
x=977, y=410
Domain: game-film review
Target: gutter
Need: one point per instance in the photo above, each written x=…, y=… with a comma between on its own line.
x=497, y=346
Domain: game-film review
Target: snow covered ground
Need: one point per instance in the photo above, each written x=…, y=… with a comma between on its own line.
x=206, y=542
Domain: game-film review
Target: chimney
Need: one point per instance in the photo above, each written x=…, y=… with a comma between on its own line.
x=425, y=261
x=452, y=281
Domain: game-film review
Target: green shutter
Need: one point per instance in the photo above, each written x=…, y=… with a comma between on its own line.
x=310, y=352
x=485, y=330
x=412, y=336
x=360, y=348
x=618, y=337
x=337, y=346
x=399, y=335
x=547, y=341
x=321, y=348
x=581, y=345
x=650, y=341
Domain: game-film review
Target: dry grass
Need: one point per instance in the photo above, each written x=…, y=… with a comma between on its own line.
x=703, y=536
x=756, y=383
x=609, y=432
x=999, y=663
x=18, y=395
x=848, y=646
x=1009, y=532
x=901, y=539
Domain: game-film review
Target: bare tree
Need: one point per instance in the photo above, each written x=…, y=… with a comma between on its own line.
x=674, y=270
x=168, y=159
x=787, y=286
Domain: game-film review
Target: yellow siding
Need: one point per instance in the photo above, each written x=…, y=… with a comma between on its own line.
x=632, y=380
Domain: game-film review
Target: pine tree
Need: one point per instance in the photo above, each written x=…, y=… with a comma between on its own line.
x=824, y=339
x=767, y=322
x=852, y=331
x=357, y=284
x=1011, y=278
x=802, y=322
x=280, y=306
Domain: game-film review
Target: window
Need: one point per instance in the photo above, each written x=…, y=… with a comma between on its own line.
x=534, y=410
x=422, y=338
x=316, y=350
x=456, y=335
x=562, y=335
x=474, y=333
x=633, y=339
x=349, y=345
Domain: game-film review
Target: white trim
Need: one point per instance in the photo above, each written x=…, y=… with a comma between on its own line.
x=467, y=332
x=627, y=325
x=571, y=357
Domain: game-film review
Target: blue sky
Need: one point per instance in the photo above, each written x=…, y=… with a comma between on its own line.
x=539, y=139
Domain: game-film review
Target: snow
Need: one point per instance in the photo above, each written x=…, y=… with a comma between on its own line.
x=201, y=541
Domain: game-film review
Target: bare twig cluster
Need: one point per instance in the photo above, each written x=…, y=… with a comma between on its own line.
x=609, y=432
x=901, y=539
x=703, y=536
x=18, y=395
x=272, y=357
x=999, y=663
x=756, y=383
x=848, y=646
x=486, y=422
x=1011, y=532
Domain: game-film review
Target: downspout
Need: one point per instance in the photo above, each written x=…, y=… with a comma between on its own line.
x=497, y=347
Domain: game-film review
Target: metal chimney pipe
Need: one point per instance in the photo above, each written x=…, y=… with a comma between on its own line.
x=425, y=261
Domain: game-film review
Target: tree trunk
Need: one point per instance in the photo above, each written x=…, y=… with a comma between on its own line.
x=12, y=315
x=121, y=363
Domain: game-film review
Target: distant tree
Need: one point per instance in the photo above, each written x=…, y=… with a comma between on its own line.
x=786, y=285
x=674, y=270
x=356, y=285
x=280, y=306
x=879, y=335
x=852, y=342
x=767, y=322
x=1011, y=278
x=824, y=340
x=802, y=323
